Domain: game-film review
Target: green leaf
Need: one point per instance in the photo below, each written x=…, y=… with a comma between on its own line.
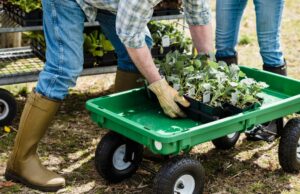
x=242, y=74
x=107, y=46
x=197, y=64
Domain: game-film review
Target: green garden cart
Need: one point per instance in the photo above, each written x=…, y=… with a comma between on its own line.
x=136, y=122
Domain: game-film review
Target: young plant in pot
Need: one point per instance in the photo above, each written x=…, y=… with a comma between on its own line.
x=27, y=5
x=27, y=12
x=95, y=47
x=167, y=38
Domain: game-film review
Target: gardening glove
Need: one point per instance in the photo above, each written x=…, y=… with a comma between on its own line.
x=167, y=97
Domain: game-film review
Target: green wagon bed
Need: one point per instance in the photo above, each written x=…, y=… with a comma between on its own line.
x=133, y=115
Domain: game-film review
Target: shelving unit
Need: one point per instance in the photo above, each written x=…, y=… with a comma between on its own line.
x=21, y=65
x=17, y=59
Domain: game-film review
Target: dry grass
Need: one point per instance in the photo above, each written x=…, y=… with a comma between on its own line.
x=249, y=168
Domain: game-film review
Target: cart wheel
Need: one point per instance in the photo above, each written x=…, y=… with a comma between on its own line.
x=180, y=175
x=226, y=142
x=289, y=146
x=8, y=107
x=117, y=157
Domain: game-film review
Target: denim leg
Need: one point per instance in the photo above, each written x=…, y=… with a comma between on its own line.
x=63, y=28
x=268, y=21
x=107, y=22
x=228, y=16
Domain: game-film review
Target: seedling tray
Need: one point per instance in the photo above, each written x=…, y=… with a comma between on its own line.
x=33, y=18
x=206, y=108
x=89, y=60
x=207, y=113
x=232, y=110
x=107, y=59
x=135, y=116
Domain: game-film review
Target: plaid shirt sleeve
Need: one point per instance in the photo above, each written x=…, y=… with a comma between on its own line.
x=132, y=19
x=197, y=12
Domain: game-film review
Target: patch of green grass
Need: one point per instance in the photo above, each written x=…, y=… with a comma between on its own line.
x=235, y=169
x=234, y=190
x=6, y=141
x=10, y=190
x=245, y=40
x=283, y=178
x=257, y=187
x=17, y=89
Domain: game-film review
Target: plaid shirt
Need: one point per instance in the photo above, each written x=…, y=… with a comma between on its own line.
x=133, y=16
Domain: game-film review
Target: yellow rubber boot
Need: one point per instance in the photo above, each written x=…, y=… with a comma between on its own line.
x=24, y=165
x=127, y=80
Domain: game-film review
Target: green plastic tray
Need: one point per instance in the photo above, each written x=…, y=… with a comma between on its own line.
x=136, y=117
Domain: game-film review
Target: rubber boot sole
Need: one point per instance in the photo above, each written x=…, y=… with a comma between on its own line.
x=9, y=176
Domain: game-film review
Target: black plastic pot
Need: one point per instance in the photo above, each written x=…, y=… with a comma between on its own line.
x=205, y=112
x=90, y=29
x=89, y=60
x=33, y=18
x=155, y=51
x=33, y=15
x=198, y=115
x=109, y=58
x=233, y=110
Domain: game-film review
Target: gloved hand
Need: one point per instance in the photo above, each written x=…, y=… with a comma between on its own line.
x=167, y=97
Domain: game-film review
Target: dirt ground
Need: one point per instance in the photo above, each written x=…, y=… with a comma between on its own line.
x=250, y=167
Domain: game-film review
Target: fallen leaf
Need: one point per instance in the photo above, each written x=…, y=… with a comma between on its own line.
x=7, y=129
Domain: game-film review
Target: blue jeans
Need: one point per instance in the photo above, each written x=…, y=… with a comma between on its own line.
x=63, y=24
x=268, y=20
x=107, y=22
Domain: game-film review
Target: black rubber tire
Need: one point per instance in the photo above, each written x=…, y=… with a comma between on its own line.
x=104, y=157
x=287, y=151
x=167, y=176
x=225, y=143
x=7, y=103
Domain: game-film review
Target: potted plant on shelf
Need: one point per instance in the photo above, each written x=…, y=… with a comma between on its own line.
x=26, y=12
x=167, y=38
x=98, y=49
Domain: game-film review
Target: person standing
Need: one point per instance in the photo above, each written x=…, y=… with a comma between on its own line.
x=125, y=25
x=268, y=22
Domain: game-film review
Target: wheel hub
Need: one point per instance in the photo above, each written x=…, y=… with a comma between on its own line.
x=118, y=158
x=298, y=150
x=184, y=185
x=231, y=135
x=4, y=109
